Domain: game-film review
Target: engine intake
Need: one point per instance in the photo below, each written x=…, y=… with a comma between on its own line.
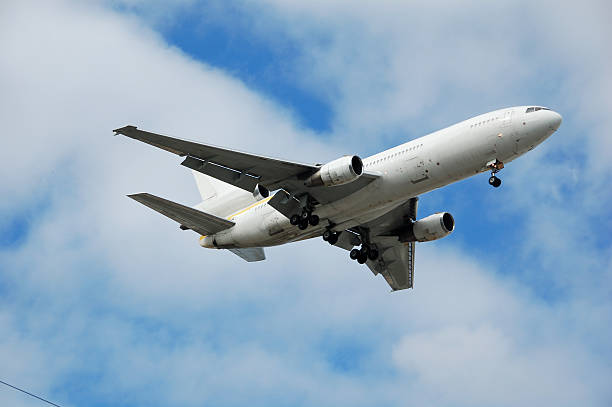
x=260, y=192
x=338, y=172
x=433, y=227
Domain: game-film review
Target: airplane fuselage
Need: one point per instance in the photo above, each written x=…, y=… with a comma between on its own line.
x=408, y=170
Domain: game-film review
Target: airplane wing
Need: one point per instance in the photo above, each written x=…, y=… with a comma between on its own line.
x=246, y=170
x=396, y=259
x=189, y=218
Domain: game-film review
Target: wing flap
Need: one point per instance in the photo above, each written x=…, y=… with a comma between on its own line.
x=396, y=265
x=189, y=218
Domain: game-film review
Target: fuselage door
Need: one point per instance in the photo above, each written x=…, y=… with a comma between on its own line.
x=507, y=118
x=418, y=171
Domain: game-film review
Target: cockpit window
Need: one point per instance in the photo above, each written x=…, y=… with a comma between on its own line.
x=535, y=109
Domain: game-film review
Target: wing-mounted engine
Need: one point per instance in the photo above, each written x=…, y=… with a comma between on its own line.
x=260, y=192
x=338, y=172
x=433, y=227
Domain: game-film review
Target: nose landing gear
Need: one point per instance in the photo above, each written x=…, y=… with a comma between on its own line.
x=494, y=181
x=495, y=167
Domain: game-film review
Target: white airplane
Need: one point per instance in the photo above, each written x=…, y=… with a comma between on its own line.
x=350, y=202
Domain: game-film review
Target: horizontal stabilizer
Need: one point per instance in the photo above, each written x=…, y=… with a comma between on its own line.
x=189, y=218
x=250, y=254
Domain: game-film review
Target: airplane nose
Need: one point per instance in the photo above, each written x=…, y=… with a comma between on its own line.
x=554, y=120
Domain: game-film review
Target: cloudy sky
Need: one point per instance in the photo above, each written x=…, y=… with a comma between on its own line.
x=105, y=303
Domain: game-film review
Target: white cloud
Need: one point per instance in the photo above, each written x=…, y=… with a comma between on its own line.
x=106, y=291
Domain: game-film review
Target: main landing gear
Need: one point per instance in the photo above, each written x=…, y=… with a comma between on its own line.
x=330, y=236
x=364, y=253
x=495, y=167
x=367, y=251
x=304, y=219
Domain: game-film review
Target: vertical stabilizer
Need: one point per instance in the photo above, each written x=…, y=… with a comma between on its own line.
x=210, y=187
x=220, y=198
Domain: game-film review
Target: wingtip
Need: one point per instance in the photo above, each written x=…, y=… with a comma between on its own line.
x=122, y=130
x=137, y=196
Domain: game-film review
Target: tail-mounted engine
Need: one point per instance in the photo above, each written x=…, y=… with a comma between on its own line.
x=338, y=172
x=433, y=227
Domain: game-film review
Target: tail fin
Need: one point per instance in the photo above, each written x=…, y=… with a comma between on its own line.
x=210, y=187
x=220, y=198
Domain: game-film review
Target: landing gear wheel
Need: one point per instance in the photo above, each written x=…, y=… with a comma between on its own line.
x=372, y=254
x=494, y=181
x=294, y=220
x=327, y=234
x=305, y=215
x=362, y=258
x=313, y=220
x=354, y=255
x=303, y=224
x=333, y=239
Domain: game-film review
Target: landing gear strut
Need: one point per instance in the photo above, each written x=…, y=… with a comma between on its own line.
x=495, y=167
x=367, y=251
x=306, y=217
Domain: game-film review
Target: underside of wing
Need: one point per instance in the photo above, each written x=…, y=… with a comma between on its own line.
x=264, y=170
x=247, y=171
x=395, y=261
x=189, y=218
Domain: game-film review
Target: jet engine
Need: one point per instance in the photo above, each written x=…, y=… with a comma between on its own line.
x=433, y=227
x=260, y=192
x=338, y=172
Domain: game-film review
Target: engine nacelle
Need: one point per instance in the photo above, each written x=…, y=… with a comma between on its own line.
x=260, y=192
x=433, y=227
x=338, y=172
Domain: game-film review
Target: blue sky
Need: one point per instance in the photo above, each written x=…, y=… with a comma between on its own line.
x=105, y=303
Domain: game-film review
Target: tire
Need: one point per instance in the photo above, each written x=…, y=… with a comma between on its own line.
x=294, y=220
x=305, y=215
x=313, y=220
x=354, y=255
x=333, y=239
x=497, y=183
x=303, y=225
x=326, y=235
x=492, y=180
x=362, y=258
